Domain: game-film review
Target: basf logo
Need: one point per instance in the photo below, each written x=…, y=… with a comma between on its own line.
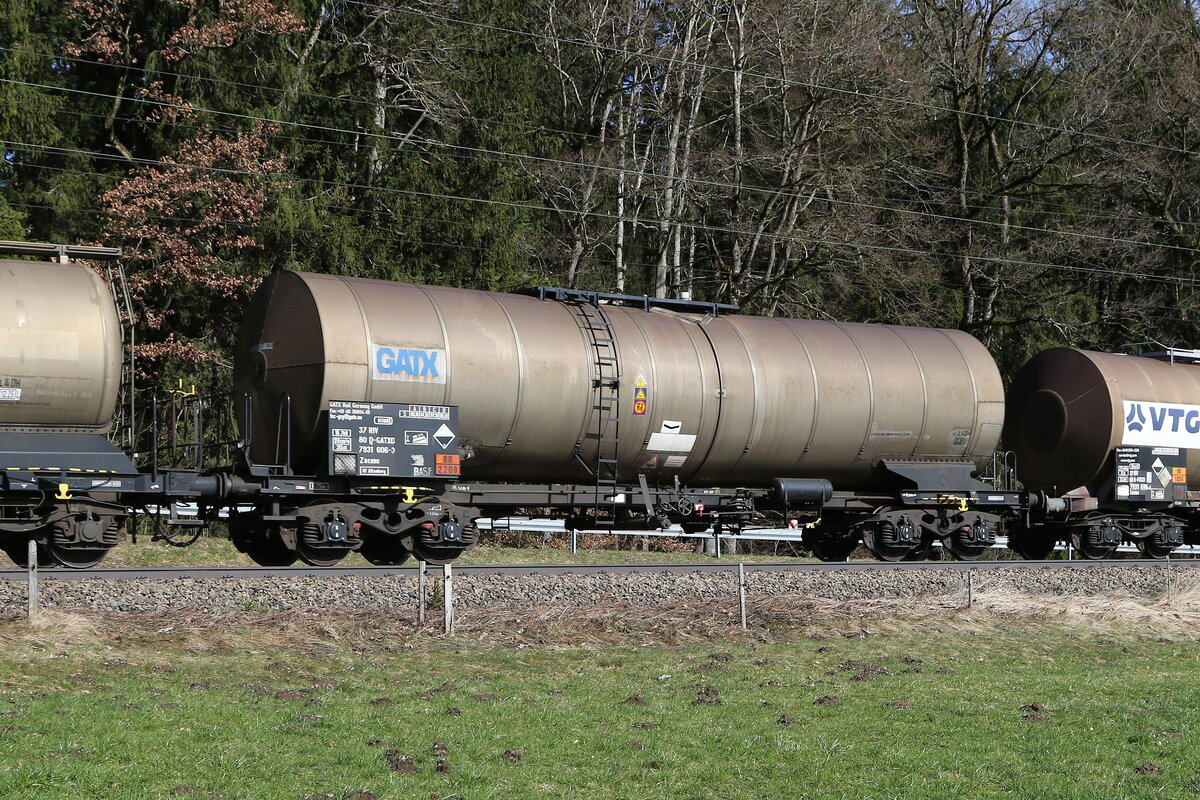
x=1150, y=424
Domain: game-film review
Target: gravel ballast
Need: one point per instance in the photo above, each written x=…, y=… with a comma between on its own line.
x=579, y=590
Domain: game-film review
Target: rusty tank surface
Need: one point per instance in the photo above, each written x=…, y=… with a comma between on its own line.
x=545, y=388
x=60, y=349
x=1068, y=409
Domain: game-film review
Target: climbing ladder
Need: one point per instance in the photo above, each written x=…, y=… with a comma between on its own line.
x=606, y=403
x=606, y=384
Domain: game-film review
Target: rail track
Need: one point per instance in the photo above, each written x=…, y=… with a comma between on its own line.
x=241, y=573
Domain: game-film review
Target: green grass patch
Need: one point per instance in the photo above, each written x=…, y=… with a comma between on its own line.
x=1012, y=713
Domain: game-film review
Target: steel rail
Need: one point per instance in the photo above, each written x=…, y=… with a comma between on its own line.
x=224, y=573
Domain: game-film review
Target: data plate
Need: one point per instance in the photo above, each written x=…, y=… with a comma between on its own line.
x=1150, y=474
x=393, y=440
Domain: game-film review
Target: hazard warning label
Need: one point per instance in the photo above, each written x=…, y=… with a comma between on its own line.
x=641, y=397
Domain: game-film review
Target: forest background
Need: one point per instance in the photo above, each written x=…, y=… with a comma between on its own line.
x=1023, y=170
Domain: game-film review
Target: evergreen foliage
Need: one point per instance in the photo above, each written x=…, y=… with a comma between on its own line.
x=1023, y=170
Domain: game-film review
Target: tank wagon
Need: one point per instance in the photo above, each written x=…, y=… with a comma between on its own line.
x=1113, y=442
x=625, y=411
x=389, y=418
x=60, y=374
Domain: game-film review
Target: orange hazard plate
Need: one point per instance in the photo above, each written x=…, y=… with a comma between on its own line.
x=1179, y=474
x=447, y=465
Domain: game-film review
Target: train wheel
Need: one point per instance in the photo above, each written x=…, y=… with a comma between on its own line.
x=1155, y=550
x=19, y=555
x=829, y=546
x=1091, y=550
x=384, y=551
x=964, y=550
x=435, y=555
x=922, y=552
x=884, y=551
x=1030, y=546
x=77, y=557
x=268, y=551
x=321, y=556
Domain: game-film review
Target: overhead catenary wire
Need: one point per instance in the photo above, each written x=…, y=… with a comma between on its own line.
x=534, y=128
x=799, y=238
x=1057, y=129
x=943, y=289
x=298, y=92
x=375, y=236
x=1036, y=206
x=620, y=170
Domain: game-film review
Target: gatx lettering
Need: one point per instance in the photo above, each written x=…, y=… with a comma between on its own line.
x=402, y=361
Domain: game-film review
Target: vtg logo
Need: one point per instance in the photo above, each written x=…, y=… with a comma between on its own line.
x=1161, y=424
x=402, y=363
x=1136, y=419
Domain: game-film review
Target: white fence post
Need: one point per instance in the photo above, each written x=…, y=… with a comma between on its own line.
x=742, y=591
x=448, y=596
x=33, y=578
x=422, y=572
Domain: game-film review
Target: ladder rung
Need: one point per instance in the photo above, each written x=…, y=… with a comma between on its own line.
x=606, y=460
x=610, y=419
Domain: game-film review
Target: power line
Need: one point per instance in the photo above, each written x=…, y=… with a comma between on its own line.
x=945, y=290
x=798, y=238
x=787, y=81
x=244, y=224
x=533, y=128
x=297, y=92
x=1036, y=204
x=375, y=236
x=619, y=170
x=1033, y=208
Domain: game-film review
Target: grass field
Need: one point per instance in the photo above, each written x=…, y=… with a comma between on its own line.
x=1011, y=711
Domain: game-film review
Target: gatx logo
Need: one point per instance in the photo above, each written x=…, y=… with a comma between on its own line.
x=407, y=363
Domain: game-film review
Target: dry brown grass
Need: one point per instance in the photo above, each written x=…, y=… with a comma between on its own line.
x=773, y=618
